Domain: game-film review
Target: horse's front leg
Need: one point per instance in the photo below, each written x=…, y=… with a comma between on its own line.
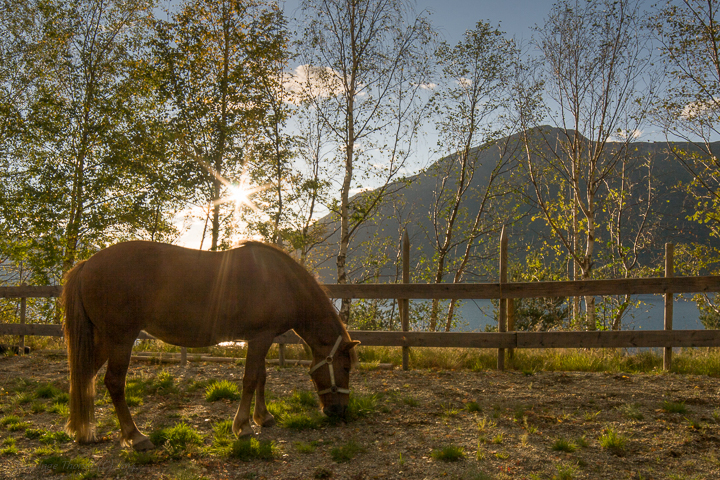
x=253, y=380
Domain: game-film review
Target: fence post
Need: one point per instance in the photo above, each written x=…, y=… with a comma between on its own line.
x=669, y=272
x=502, y=313
x=281, y=354
x=23, y=309
x=510, y=322
x=404, y=303
x=183, y=356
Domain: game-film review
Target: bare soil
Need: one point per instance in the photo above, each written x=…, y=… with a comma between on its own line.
x=521, y=418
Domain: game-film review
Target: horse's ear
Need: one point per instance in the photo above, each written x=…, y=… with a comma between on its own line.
x=351, y=344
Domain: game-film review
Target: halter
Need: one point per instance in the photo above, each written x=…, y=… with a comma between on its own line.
x=329, y=361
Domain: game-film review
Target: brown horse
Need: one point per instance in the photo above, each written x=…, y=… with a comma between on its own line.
x=193, y=298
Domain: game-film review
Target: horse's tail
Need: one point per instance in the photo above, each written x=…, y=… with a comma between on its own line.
x=81, y=358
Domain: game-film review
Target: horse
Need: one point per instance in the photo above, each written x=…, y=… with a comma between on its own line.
x=194, y=298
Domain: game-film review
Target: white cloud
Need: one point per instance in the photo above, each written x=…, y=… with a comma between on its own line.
x=308, y=80
x=699, y=109
x=625, y=135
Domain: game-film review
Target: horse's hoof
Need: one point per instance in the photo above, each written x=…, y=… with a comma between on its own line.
x=144, y=446
x=269, y=422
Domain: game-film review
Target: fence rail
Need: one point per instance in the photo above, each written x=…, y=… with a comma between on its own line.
x=502, y=290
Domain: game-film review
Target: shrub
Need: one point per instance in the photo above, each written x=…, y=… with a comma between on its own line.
x=222, y=389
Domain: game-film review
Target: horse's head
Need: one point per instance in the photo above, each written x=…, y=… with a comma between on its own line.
x=331, y=374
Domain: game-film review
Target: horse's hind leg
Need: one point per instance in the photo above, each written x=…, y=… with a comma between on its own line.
x=253, y=380
x=115, y=383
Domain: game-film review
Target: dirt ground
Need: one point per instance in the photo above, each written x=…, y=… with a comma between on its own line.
x=515, y=430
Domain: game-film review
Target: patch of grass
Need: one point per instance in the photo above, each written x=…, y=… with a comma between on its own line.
x=347, y=452
x=23, y=398
x=302, y=421
x=179, y=439
x=47, y=391
x=473, y=407
x=565, y=472
x=449, y=453
x=34, y=433
x=304, y=447
x=304, y=399
x=16, y=427
x=61, y=409
x=449, y=410
x=253, y=449
x=51, y=438
x=224, y=389
x=632, y=411
x=9, y=447
x=164, y=384
x=47, y=450
x=9, y=419
x=674, y=407
x=362, y=405
x=62, y=398
x=410, y=401
x=38, y=407
x=140, y=458
x=564, y=445
x=62, y=464
x=133, y=400
x=613, y=441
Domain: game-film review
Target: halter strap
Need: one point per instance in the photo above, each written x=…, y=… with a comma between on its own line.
x=329, y=361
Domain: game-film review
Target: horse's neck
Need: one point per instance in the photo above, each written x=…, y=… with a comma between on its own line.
x=321, y=335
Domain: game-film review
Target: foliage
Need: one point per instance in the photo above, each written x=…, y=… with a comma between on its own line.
x=612, y=441
x=210, y=58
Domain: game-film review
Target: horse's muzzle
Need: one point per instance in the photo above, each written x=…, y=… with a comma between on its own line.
x=335, y=411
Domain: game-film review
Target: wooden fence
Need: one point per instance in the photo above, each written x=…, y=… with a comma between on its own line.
x=502, y=290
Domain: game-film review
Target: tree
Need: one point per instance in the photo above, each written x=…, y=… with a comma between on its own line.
x=218, y=65
x=85, y=168
x=596, y=59
x=372, y=55
x=469, y=105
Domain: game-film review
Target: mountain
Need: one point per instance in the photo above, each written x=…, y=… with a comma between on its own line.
x=375, y=246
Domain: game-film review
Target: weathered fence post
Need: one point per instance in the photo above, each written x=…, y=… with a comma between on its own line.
x=502, y=313
x=511, y=322
x=183, y=356
x=23, y=309
x=281, y=354
x=669, y=272
x=404, y=303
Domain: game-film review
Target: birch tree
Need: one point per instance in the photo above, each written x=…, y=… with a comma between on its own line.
x=469, y=107
x=595, y=56
x=374, y=61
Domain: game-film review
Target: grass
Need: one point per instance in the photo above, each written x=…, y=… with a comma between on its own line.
x=302, y=420
x=449, y=453
x=361, y=406
x=61, y=409
x=564, y=445
x=223, y=389
x=473, y=407
x=696, y=361
x=62, y=464
x=177, y=440
x=347, y=452
x=305, y=447
x=253, y=449
x=8, y=447
x=47, y=391
x=632, y=411
x=674, y=407
x=613, y=441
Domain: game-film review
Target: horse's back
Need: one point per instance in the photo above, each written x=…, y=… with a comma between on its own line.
x=194, y=297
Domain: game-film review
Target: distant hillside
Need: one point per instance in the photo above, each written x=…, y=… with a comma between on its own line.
x=377, y=242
